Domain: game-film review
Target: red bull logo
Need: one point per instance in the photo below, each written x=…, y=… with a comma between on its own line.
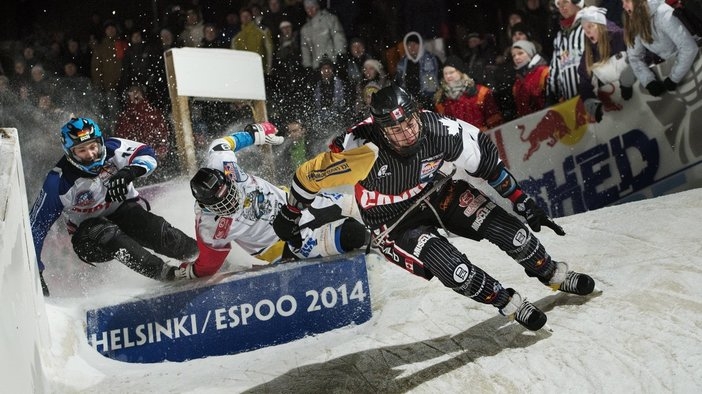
x=565, y=122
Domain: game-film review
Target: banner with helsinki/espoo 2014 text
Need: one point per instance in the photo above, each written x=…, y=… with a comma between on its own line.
x=238, y=313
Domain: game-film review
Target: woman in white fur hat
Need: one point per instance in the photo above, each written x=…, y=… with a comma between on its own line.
x=604, y=61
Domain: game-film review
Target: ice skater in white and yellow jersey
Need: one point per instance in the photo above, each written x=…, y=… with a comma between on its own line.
x=233, y=206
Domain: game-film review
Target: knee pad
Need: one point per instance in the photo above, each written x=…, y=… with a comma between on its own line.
x=92, y=239
x=353, y=235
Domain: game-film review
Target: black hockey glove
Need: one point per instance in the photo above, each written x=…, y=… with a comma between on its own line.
x=670, y=85
x=117, y=185
x=534, y=215
x=655, y=88
x=286, y=225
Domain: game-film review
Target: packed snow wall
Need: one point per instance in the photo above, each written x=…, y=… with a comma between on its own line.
x=24, y=331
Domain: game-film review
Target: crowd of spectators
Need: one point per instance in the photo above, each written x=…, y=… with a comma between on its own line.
x=321, y=61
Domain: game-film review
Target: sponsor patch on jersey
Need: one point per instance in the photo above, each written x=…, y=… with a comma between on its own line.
x=340, y=167
x=383, y=171
x=460, y=273
x=470, y=202
x=231, y=170
x=223, y=225
x=520, y=237
x=223, y=147
x=481, y=214
x=427, y=170
x=84, y=199
x=421, y=241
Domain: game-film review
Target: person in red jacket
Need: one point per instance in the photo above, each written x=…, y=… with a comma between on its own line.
x=529, y=89
x=141, y=121
x=462, y=98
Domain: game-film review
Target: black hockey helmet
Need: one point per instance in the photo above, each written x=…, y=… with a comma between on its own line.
x=214, y=191
x=390, y=106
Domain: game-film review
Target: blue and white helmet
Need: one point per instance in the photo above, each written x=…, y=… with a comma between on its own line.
x=78, y=131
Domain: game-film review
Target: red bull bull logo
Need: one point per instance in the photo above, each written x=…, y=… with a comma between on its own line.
x=565, y=122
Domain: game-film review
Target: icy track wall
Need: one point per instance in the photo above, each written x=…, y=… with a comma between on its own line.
x=24, y=332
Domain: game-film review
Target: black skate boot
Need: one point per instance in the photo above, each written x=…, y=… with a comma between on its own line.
x=570, y=281
x=524, y=312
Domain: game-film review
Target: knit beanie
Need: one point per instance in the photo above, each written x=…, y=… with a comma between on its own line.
x=526, y=46
x=456, y=62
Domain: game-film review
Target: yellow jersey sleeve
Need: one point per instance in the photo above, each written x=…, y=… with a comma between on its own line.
x=332, y=169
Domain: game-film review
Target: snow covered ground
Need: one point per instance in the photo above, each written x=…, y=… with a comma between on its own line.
x=642, y=334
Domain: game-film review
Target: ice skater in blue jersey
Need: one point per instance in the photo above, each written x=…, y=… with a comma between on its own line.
x=91, y=185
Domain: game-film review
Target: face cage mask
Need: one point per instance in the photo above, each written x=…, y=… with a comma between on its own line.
x=229, y=204
x=405, y=151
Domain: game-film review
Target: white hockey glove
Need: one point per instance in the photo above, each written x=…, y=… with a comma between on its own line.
x=264, y=133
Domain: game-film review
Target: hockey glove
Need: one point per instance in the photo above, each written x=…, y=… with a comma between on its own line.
x=118, y=184
x=264, y=133
x=286, y=225
x=655, y=88
x=670, y=85
x=534, y=215
x=627, y=92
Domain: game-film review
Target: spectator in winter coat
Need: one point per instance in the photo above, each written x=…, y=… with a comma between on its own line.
x=604, y=61
x=321, y=35
x=141, y=121
x=252, y=38
x=193, y=32
x=650, y=25
x=462, y=98
x=529, y=88
x=568, y=47
x=418, y=70
x=374, y=78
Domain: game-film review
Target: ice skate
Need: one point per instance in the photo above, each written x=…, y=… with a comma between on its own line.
x=570, y=281
x=524, y=312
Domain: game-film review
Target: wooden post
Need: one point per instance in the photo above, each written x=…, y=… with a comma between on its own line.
x=182, y=121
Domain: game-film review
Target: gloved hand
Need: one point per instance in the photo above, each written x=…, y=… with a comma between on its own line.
x=44, y=287
x=627, y=92
x=185, y=271
x=534, y=215
x=286, y=225
x=670, y=85
x=655, y=88
x=117, y=185
x=264, y=133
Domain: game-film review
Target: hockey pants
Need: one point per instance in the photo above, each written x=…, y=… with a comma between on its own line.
x=417, y=246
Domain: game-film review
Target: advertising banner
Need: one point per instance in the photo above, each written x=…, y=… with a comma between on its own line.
x=644, y=147
x=243, y=312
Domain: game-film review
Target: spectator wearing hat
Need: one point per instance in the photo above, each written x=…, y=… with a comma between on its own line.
x=462, y=98
x=529, y=89
x=480, y=57
x=568, y=48
x=374, y=79
x=418, y=70
x=321, y=35
x=604, y=61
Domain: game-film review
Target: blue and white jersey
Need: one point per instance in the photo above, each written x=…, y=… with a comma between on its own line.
x=80, y=195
